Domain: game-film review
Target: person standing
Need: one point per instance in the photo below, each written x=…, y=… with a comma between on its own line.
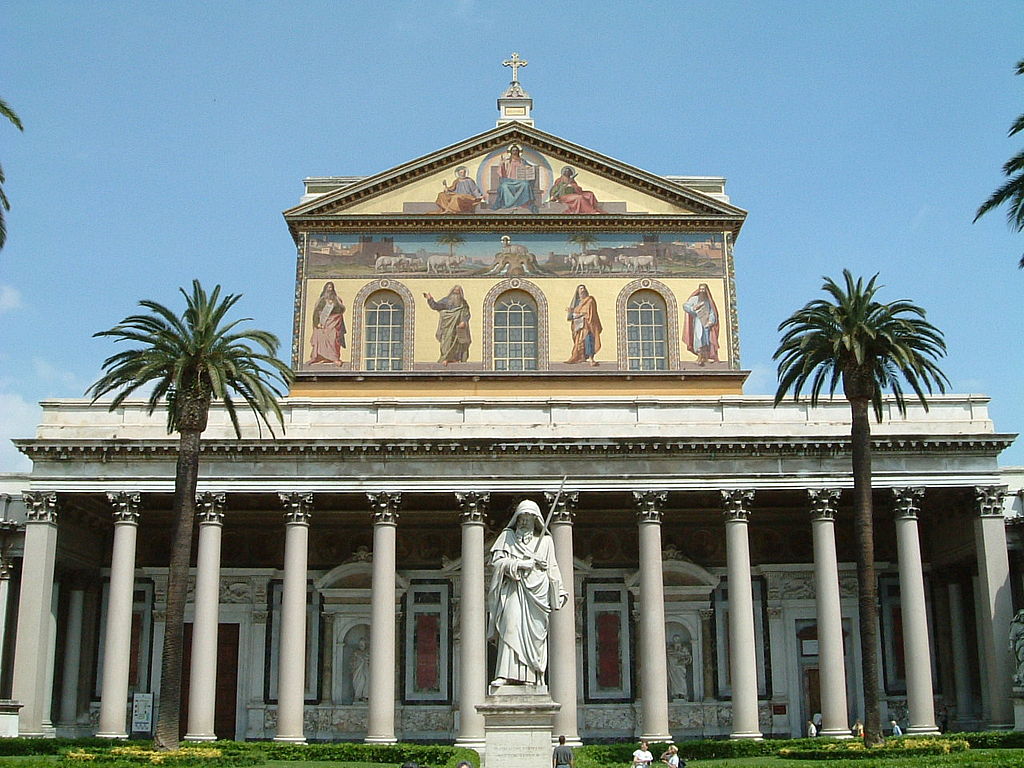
x=586, y=326
x=812, y=729
x=642, y=757
x=896, y=730
x=700, y=331
x=562, y=757
x=452, y=326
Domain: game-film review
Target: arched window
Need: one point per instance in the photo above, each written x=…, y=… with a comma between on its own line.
x=383, y=332
x=515, y=332
x=646, y=348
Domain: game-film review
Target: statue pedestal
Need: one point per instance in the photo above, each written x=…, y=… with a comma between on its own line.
x=517, y=727
x=1017, y=694
x=9, y=718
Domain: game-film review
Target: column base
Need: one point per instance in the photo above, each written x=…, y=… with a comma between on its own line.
x=656, y=737
x=918, y=729
x=839, y=733
x=380, y=740
x=291, y=739
x=471, y=742
x=200, y=737
x=107, y=735
x=756, y=735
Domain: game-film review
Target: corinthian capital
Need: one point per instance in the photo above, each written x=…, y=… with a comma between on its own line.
x=823, y=502
x=907, y=501
x=384, y=507
x=565, y=509
x=736, y=503
x=990, y=500
x=41, y=507
x=210, y=507
x=649, y=505
x=126, y=506
x=298, y=507
x=474, y=506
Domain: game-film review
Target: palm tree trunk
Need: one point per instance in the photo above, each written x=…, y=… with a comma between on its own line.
x=867, y=586
x=185, y=479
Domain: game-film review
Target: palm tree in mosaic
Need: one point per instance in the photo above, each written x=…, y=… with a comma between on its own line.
x=189, y=361
x=451, y=240
x=1011, y=193
x=870, y=347
x=5, y=205
x=584, y=240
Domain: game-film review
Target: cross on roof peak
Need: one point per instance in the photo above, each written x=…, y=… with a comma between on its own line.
x=515, y=62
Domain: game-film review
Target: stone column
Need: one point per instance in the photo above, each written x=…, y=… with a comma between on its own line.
x=916, y=647
x=121, y=596
x=961, y=654
x=562, y=645
x=472, y=620
x=33, y=653
x=742, y=653
x=707, y=639
x=997, y=605
x=291, y=657
x=5, y=600
x=653, y=649
x=72, y=653
x=831, y=656
x=381, y=700
x=202, y=688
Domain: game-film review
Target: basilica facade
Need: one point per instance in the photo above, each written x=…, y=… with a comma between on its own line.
x=513, y=316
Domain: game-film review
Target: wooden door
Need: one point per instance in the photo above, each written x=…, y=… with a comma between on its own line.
x=226, y=700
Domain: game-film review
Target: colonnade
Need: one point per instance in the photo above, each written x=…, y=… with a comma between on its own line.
x=36, y=629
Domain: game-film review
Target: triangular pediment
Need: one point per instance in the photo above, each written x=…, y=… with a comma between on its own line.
x=484, y=177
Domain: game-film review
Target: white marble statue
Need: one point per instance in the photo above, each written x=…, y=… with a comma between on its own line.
x=359, y=666
x=525, y=587
x=1017, y=647
x=679, y=658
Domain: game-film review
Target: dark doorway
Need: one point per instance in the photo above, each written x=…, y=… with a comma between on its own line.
x=227, y=681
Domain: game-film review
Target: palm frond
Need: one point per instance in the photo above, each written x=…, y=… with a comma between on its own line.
x=851, y=337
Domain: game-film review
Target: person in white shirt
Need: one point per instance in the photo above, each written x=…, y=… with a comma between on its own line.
x=896, y=730
x=671, y=757
x=642, y=756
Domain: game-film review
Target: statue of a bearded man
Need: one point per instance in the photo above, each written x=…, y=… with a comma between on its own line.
x=526, y=586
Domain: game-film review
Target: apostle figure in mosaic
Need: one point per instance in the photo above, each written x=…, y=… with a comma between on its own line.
x=586, y=327
x=700, y=332
x=567, y=191
x=328, y=337
x=452, y=326
x=462, y=196
x=525, y=587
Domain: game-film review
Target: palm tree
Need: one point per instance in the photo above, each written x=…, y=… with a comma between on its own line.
x=1012, y=191
x=451, y=240
x=871, y=347
x=190, y=361
x=5, y=205
x=583, y=240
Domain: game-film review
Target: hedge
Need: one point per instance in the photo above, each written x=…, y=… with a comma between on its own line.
x=850, y=749
x=120, y=755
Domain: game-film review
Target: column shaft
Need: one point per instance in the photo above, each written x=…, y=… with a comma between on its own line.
x=5, y=600
x=381, y=699
x=472, y=627
x=961, y=654
x=916, y=650
x=291, y=660
x=831, y=656
x=118, y=642
x=653, y=648
x=563, y=630
x=742, y=654
x=997, y=607
x=202, y=691
x=33, y=652
x=72, y=657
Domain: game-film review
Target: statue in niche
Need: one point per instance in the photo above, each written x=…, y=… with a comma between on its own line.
x=1017, y=647
x=525, y=587
x=679, y=659
x=359, y=667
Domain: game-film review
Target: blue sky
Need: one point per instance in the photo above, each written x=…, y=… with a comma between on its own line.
x=162, y=141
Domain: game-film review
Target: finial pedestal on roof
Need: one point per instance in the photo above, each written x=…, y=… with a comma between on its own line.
x=514, y=104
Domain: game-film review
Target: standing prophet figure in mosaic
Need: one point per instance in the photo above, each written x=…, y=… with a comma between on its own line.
x=526, y=586
x=452, y=326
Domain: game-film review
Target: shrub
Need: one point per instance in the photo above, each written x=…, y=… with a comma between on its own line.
x=851, y=749
x=24, y=747
x=130, y=755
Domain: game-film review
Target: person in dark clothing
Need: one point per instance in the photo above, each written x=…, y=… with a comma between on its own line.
x=562, y=757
